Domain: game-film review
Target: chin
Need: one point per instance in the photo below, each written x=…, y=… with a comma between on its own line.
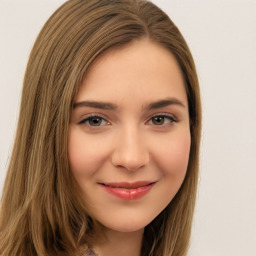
x=128, y=225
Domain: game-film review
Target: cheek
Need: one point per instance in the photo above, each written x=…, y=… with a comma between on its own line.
x=172, y=161
x=84, y=153
x=173, y=155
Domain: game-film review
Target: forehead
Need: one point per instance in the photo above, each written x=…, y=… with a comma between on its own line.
x=141, y=69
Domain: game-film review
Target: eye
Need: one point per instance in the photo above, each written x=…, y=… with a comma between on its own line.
x=94, y=121
x=161, y=120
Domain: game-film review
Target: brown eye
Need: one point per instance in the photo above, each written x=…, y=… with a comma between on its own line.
x=94, y=121
x=161, y=120
x=158, y=120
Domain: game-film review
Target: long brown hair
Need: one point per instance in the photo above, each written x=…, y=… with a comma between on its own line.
x=41, y=211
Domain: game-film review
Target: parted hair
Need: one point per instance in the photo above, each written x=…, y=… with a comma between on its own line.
x=42, y=213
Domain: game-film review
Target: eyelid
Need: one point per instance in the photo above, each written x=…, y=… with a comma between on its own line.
x=172, y=117
x=90, y=115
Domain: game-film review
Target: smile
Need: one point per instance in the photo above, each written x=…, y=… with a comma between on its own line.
x=128, y=191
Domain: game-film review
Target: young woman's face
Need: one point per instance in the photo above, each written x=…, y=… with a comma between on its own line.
x=129, y=136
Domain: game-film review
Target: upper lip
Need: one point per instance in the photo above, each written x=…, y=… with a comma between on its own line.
x=128, y=185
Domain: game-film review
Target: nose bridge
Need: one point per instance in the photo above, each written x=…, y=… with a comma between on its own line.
x=131, y=151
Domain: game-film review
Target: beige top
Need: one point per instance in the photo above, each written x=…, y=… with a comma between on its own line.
x=82, y=250
x=86, y=251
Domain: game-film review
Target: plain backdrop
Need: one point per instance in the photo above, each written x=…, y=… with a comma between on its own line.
x=222, y=37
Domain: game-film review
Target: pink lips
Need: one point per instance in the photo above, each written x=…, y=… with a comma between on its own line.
x=128, y=191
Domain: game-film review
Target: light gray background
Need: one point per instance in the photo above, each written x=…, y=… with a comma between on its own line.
x=222, y=37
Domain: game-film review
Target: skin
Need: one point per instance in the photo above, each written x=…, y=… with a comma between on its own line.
x=132, y=140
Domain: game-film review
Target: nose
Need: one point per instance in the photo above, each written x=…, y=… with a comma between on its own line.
x=130, y=152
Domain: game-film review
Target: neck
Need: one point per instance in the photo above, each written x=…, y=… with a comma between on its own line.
x=120, y=243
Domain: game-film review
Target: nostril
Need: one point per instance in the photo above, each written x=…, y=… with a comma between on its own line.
x=130, y=152
x=130, y=163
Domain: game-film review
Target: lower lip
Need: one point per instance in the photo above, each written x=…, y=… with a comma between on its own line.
x=128, y=194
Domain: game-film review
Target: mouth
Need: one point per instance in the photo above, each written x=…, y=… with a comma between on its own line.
x=128, y=191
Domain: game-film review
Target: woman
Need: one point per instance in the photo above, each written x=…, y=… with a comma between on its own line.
x=105, y=160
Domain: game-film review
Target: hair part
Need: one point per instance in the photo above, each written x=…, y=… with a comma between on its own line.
x=41, y=211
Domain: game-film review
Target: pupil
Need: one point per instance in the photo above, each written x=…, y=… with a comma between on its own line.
x=95, y=121
x=158, y=120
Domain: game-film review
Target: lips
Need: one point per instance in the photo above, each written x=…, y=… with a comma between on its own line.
x=128, y=191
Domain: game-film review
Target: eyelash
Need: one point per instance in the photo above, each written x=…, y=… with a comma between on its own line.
x=90, y=117
x=171, y=119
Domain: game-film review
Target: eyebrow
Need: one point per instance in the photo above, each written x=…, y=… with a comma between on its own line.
x=96, y=104
x=164, y=103
x=110, y=106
